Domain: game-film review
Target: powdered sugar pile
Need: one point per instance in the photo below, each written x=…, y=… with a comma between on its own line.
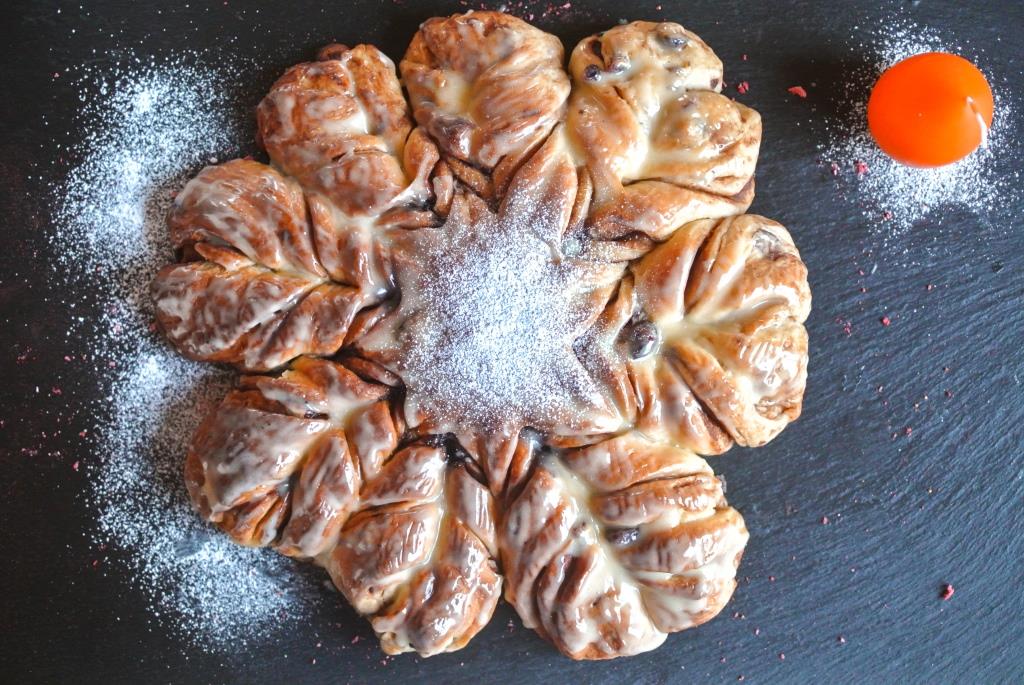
x=894, y=196
x=145, y=128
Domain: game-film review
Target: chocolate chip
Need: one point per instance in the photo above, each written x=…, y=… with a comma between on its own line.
x=595, y=47
x=641, y=338
x=592, y=72
x=714, y=83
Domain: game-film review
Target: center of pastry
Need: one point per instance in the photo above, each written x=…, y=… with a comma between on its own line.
x=491, y=304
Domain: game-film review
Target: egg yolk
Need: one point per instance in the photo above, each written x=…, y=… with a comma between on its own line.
x=930, y=109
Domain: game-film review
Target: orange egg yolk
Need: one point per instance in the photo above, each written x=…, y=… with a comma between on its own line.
x=930, y=109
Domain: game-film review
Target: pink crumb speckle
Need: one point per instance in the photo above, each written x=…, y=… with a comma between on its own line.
x=947, y=592
x=742, y=87
x=885, y=320
x=798, y=91
x=860, y=167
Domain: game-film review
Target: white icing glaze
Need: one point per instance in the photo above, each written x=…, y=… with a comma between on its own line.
x=728, y=300
x=671, y=572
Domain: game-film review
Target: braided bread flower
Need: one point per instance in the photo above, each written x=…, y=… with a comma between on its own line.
x=488, y=332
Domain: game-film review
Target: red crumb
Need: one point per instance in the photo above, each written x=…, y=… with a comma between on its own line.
x=771, y=579
x=885, y=320
x=798, y=91
x=782, y=656
x=743, y=57
x=824, y=520
x=742, y=87
x=947, y=592
x=75, y=466
x=887, y=215
x=860, y=167
x=907, y=431
x=841, y=640
x=949, y=394
x=929, y=287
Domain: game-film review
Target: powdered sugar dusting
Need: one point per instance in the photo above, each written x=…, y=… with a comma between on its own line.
x=896, y=197
x=492, y=305
x=146, y=127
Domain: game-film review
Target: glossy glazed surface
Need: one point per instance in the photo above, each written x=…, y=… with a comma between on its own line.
x=468, y=271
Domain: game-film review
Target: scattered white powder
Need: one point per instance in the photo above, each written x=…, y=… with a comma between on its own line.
x=895, y=196
x=145, y=127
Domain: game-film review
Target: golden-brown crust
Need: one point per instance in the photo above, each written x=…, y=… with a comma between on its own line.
x=663, y=146
x=719, y=309
x=259, y=296
x=608, y=548
x=320, y=111
x=486, y=85
x=309, y=462
x=341, y=126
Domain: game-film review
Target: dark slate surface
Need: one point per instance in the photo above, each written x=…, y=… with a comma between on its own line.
x=906, y=515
